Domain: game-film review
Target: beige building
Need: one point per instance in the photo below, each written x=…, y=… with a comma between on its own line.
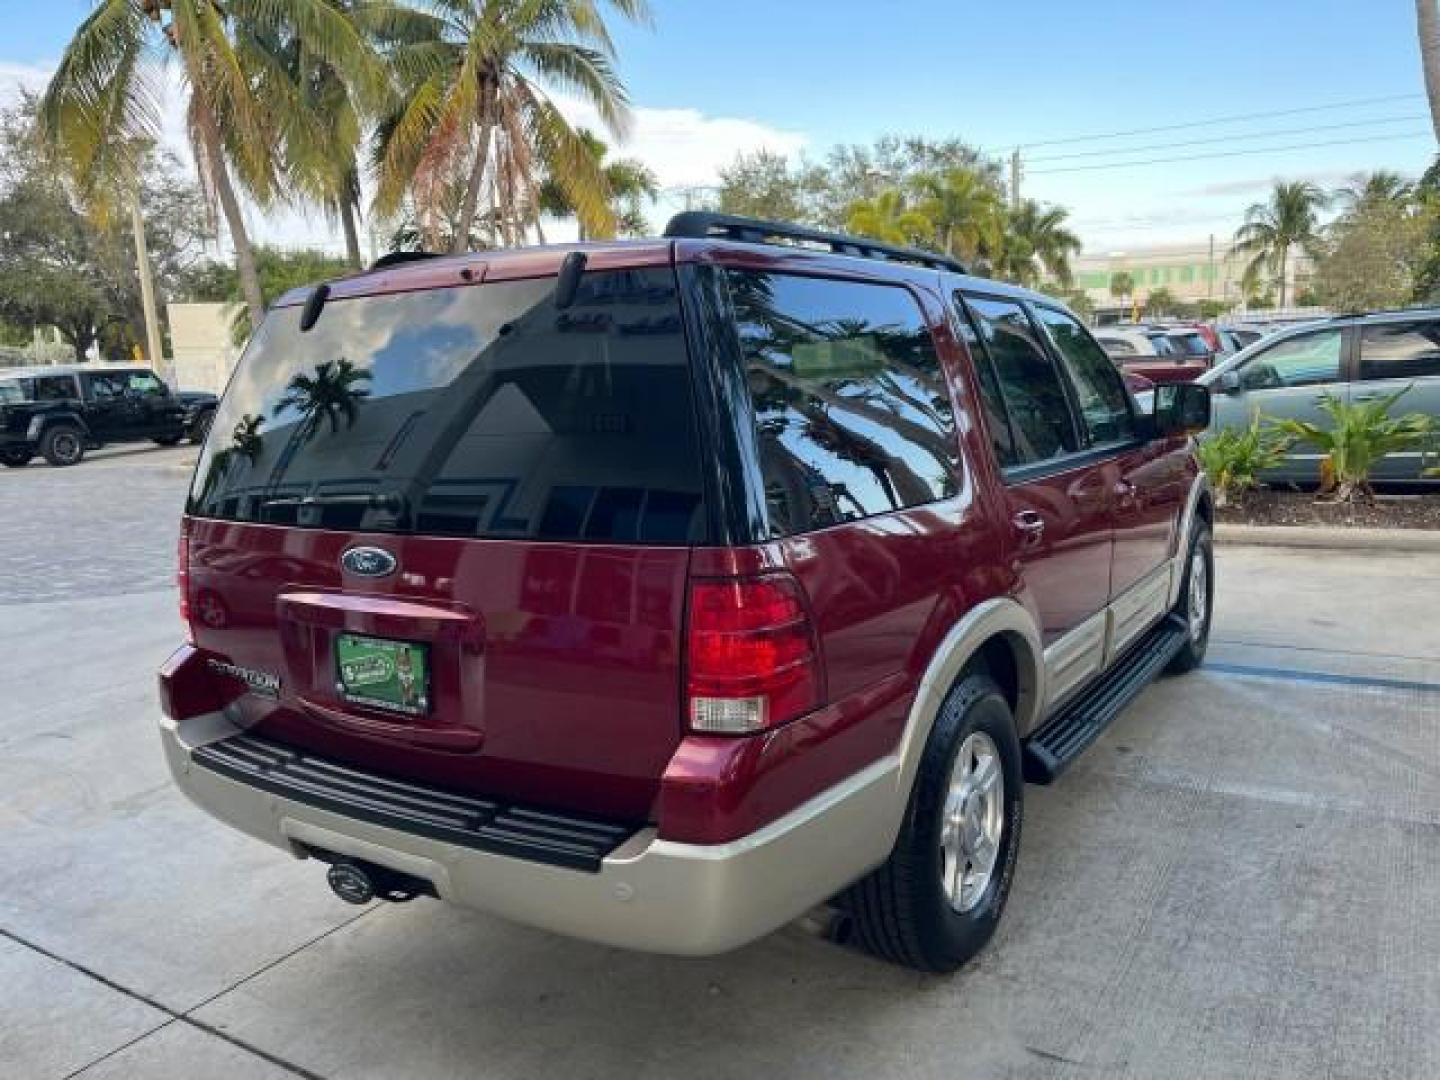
x=202, y=346
x=1190, y=271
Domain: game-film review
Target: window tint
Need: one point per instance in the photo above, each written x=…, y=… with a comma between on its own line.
x=1190, y=344
x=481, y=411
x=1163, y=345
x=108, y=385
x=1034, y=395
x=1307, y=360
x=1400, y=351
x=1104, y=404
x=1117, y=346
x=991, y=399
x=54, y=388
x=852, y=411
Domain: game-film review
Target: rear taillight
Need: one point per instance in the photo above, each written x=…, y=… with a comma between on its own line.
x=182, y=579
x=751, y=655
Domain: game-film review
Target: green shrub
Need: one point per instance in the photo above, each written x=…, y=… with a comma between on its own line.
x=1361, y=433
x=1234, y=458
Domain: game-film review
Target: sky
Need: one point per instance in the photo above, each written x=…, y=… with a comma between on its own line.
x=708, y=79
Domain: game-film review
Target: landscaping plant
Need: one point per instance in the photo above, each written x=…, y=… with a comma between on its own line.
x=1234, y=458
x=1361, y=433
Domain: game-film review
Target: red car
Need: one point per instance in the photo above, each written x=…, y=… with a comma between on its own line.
x=655, y=592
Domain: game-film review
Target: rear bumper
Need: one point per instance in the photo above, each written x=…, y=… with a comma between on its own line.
x=649, y=894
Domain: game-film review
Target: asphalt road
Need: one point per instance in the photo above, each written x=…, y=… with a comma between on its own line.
x=1241, y=878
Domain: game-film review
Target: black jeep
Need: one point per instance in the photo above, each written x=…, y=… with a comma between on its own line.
x=60, y=412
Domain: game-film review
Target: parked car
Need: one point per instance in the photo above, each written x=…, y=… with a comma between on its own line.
x=1244, y=336
x=655, y=592
x=1356, y=358
x=1150, y=352
x=60, y=412
x=199, y=406
x=1192, y=344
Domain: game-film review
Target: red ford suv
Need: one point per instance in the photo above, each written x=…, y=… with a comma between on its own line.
x=658, y=592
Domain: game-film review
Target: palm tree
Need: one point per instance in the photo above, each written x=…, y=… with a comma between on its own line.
x=473, y=107
x=1035, y=239
x=103, y=100
x=629, y=183
x=887, y=218
x=1122, y=284
x=1376, y=189
x=1428, y=25
x=331, y=394
x=1290, y=219
x=965, y=209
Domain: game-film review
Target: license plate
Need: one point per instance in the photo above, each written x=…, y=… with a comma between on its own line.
x=383, y=674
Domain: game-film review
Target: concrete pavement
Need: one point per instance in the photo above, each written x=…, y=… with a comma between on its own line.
x=1241, y=878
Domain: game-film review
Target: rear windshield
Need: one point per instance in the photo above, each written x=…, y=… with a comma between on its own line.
x=477, y=411
x=1191, y=344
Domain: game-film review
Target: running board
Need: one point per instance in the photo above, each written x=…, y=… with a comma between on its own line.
x=1062, y=738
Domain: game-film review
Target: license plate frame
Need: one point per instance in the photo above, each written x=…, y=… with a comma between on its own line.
x=385, y=674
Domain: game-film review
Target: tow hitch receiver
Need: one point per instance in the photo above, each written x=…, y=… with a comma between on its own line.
x=358, y=882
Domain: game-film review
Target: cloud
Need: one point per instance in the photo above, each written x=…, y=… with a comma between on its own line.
x=685, y=147
x=1250, y=184
x=17, y=78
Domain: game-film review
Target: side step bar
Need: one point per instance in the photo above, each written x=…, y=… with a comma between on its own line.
x=1062, y=738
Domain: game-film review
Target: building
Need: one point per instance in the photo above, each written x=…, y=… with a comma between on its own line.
x=202, y=345
x=1191, y=272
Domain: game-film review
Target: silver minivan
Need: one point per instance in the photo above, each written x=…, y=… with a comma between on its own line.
x=1356, y=357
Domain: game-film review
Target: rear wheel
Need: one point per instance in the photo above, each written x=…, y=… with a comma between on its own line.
x=15, y=457
x=166, y=440
x=1197, y=601
x=63, y=444
x=937, y=900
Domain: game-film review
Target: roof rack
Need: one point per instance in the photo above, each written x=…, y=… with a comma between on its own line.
x=395, y=258
x=702, y=224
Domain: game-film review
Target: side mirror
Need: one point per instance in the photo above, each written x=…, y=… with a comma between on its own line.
x=1181, y=409
x=1229, y=382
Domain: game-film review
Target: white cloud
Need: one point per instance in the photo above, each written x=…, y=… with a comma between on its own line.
x=15, y=78
x=685, y=147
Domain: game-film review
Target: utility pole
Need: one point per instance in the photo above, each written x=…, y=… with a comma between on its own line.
x=1210, y=274
x=1015, y=179
x=154, y=350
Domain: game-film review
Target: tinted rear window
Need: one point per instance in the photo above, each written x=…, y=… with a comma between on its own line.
x=480, y=411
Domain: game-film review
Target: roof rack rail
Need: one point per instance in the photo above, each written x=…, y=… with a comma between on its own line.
x=395, y=258
x=702, y=224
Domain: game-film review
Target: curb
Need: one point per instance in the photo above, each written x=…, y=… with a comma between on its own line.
x=1317, y=536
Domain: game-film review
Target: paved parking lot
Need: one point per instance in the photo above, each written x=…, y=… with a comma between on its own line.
x=1241, y=878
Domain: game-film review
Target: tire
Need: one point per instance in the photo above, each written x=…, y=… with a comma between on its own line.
x=201, y=428
x=902, y=912
x=166, y=440
x=62, y=445
x=1199, y=564
x=15, y=457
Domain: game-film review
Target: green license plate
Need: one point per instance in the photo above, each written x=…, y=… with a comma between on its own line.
x=383, y=674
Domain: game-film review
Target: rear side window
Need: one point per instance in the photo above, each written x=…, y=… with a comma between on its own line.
x=1002, y=437
x=1191, y=344
x=54, y=388
x=1034, y=395
x=852, y=412
x=481, y=411
x=1305, y=360
x=1104, y=403
x=1400, y=351
x=1117, y=346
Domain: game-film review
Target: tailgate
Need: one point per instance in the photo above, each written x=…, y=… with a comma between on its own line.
x=456, y=523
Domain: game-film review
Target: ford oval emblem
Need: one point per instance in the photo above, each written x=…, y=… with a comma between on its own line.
x=368, y=562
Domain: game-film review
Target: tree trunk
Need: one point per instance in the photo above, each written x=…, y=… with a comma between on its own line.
x=234, y=220
x=1284, y=259
x=352, y=234
x=461, y=241
x=1428, y=24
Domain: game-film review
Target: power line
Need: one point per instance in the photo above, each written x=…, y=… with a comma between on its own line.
x=1272, y=133
x=1230, y=153
x=1233, y=118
